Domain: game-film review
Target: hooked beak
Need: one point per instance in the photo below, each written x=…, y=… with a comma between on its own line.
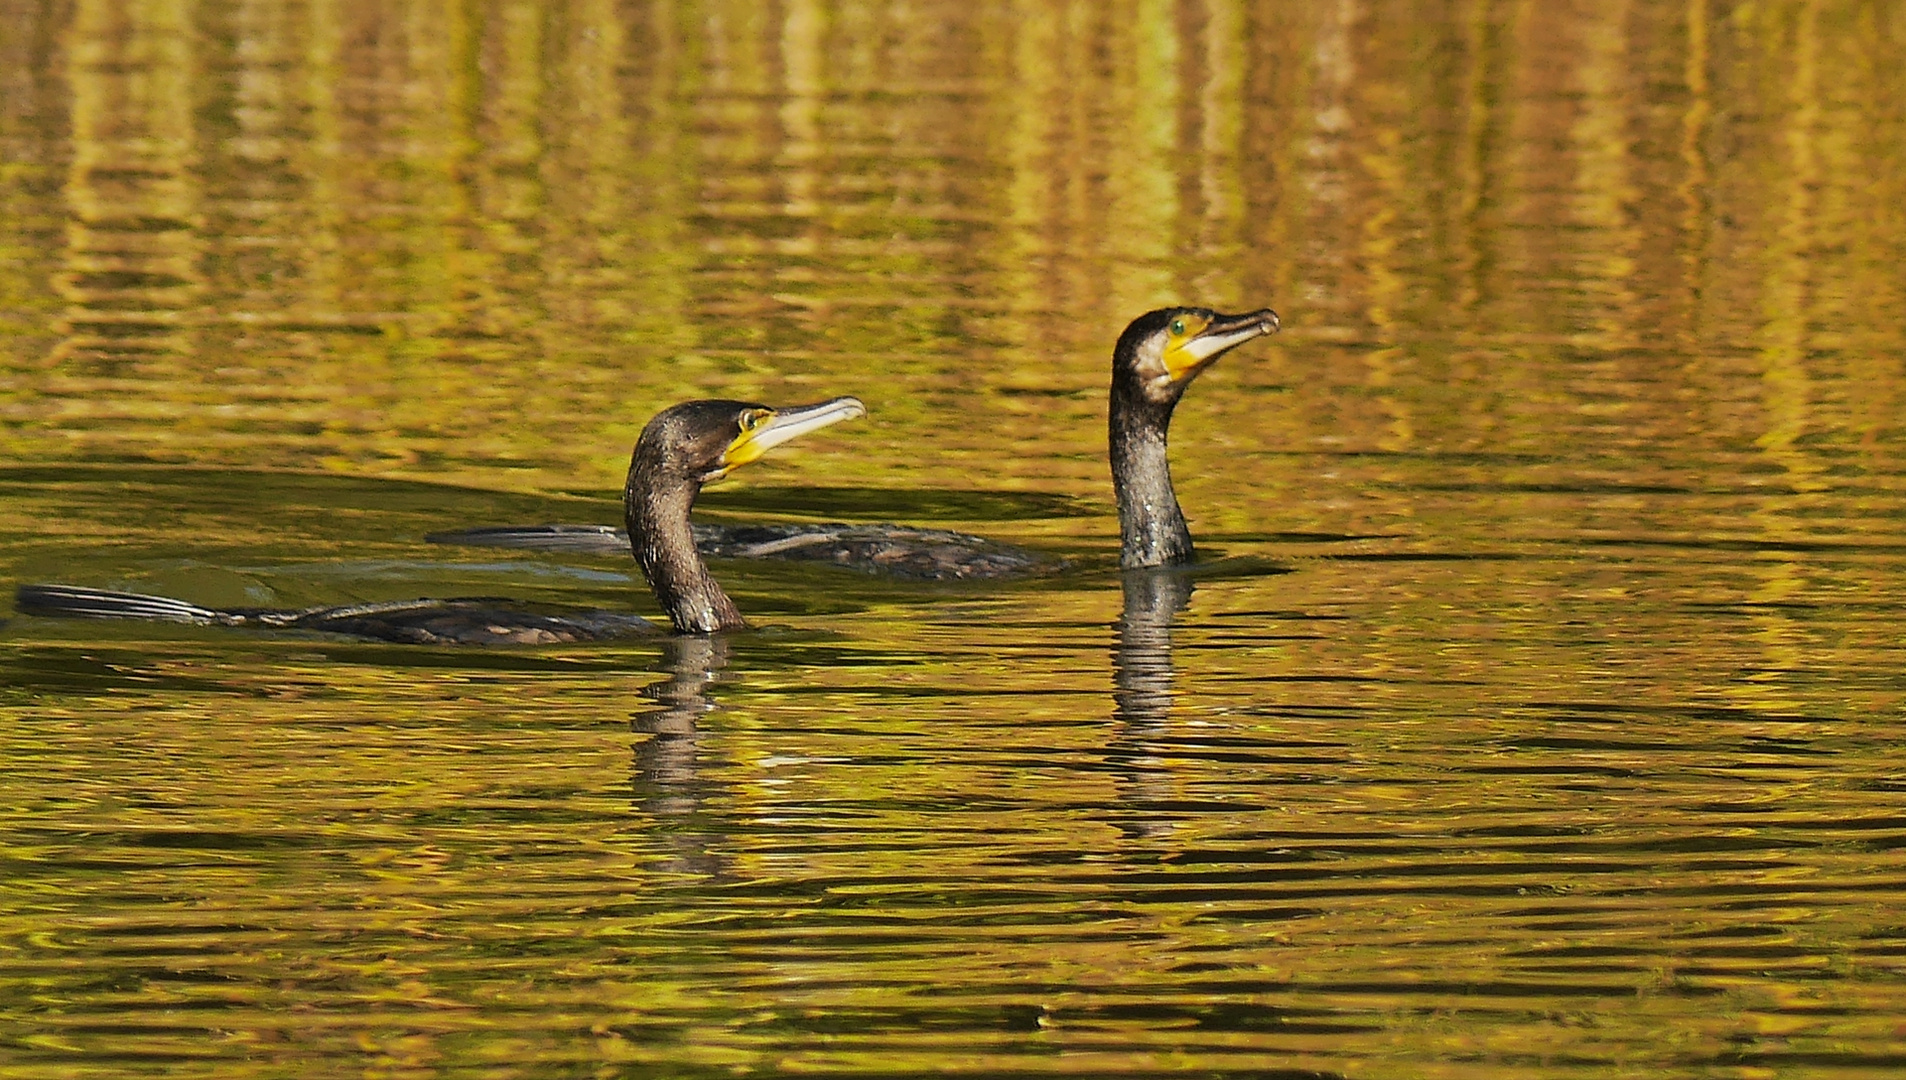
x=1225, y=333
x=780, y=425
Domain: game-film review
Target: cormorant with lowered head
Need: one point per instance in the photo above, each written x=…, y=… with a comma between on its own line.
x=681, y=449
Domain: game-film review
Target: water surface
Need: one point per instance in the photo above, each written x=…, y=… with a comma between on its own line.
x=1534, y=711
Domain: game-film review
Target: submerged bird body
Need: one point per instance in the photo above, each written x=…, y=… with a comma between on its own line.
x=680, y=449
x=1156, y=358
x=897, y=551
x=461, y=621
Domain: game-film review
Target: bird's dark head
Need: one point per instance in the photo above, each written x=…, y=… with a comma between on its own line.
x=698, y=442
x=682, y=448
x=1162, y=351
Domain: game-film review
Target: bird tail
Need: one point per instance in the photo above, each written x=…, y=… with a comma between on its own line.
x=75, y=602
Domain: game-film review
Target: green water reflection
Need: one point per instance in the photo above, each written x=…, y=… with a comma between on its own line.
x=1536, y=713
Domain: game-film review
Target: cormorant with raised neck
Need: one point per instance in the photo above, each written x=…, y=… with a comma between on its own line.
x=1155, y=360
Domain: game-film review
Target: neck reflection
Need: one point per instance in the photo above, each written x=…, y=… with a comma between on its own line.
x=1141, y=695
x=669, y=784
x=1141, y=657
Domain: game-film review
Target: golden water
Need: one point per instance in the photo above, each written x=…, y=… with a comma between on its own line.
x=1536, y=711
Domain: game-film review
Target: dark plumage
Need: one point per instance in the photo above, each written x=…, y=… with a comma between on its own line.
x=463, y=621
x=898, y=551
x=681, y=449
x=1156, y=358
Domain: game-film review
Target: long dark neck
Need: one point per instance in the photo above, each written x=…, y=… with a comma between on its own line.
x=1152, y=529
x=663, y=543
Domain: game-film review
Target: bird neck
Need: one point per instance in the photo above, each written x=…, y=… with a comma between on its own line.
x=1152, y=529
x=664, y=545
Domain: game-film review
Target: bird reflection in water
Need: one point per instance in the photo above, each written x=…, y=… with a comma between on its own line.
x=669, y=784
x=1141, y=696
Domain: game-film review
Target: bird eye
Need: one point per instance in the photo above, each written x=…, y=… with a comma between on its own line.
x=1178, y=327
x=750, y=420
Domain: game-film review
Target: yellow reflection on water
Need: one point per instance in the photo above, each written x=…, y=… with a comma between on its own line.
x=1539, y=695
x=132, y=243
x=484, y=241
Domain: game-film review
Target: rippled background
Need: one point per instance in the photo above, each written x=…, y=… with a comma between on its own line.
x=1535, y=711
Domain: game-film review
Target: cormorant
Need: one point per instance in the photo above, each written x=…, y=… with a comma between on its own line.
x=1157, y=356
x=682, y=448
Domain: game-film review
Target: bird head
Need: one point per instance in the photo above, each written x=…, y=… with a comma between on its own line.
x=703, y=441
x=1162, y=351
